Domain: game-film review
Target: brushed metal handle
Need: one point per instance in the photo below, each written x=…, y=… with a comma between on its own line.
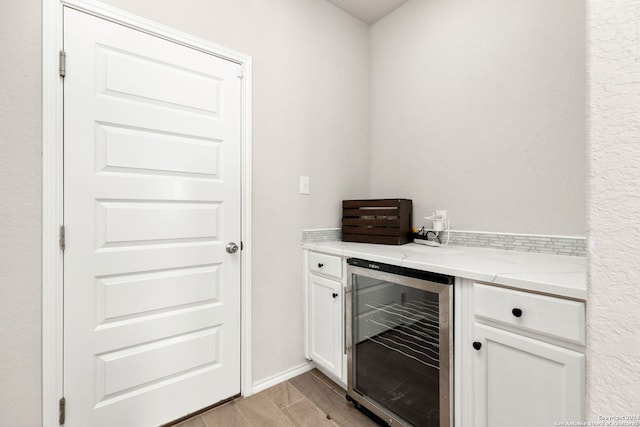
x=347, y=301
x=344, y=322
x=232, y=247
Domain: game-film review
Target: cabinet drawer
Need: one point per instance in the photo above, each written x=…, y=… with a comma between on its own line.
x=328, y=265
x=555, y=317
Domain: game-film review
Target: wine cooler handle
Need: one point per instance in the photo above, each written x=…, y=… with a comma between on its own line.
x=347, y=319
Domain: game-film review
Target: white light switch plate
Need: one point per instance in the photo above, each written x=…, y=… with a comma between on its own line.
x=304, y=185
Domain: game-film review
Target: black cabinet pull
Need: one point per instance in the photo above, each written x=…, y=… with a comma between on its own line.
x=320, y=265
x=516, y=312
x=334, y=295
x=477, y=345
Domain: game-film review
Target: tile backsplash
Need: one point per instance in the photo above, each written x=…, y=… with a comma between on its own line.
x=321, y=235
x=559, y=245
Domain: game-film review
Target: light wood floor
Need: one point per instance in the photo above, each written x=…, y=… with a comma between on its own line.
x=308, y=400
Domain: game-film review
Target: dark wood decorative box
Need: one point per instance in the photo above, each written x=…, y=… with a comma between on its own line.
x=385, y=221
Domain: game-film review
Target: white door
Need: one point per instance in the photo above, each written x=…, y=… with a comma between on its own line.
x=325, y=323
x=151, y=199
x=520, y=381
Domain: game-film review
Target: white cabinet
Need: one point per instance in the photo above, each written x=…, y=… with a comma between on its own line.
x=325, y=325
x=524, y=382
x=325, y=314
x=525, y=359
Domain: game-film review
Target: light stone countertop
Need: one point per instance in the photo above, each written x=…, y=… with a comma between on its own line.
x=550, y=274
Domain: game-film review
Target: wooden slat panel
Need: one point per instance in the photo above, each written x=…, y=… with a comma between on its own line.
x=350, y=204
x=373, y=231
x=384, y=240
x=371, y=222
x=370, y=212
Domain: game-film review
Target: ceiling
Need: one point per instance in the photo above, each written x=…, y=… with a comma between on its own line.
x=368, y=11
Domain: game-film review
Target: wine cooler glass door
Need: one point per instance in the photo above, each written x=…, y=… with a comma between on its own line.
x=399, y=362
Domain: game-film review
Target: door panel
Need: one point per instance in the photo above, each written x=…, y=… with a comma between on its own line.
x=525, y=382
x=326, y=323
x=151, y=196
x=127, y=150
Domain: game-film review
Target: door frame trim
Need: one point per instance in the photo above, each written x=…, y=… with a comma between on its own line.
x=52, y=186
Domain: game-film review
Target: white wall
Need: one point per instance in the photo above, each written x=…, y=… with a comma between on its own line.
x=310, y=117
x=478, y=108
x=20, y=211
x=613, y=307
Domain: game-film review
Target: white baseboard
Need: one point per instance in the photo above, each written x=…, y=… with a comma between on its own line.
x=264, y=384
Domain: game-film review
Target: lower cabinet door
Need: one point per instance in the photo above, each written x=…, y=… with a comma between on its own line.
x=325, y=323
x=519, y=381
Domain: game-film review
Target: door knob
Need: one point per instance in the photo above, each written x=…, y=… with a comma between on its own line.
x=477, y=345
x=517, y=312
x=232, y=247
x=335, y=295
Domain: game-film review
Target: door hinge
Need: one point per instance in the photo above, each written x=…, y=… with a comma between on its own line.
x=63, y=63
x=62, y=410
x=240, y=72
x=63, y=238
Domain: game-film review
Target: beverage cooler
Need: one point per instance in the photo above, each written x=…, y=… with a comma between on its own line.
x=399, y=336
